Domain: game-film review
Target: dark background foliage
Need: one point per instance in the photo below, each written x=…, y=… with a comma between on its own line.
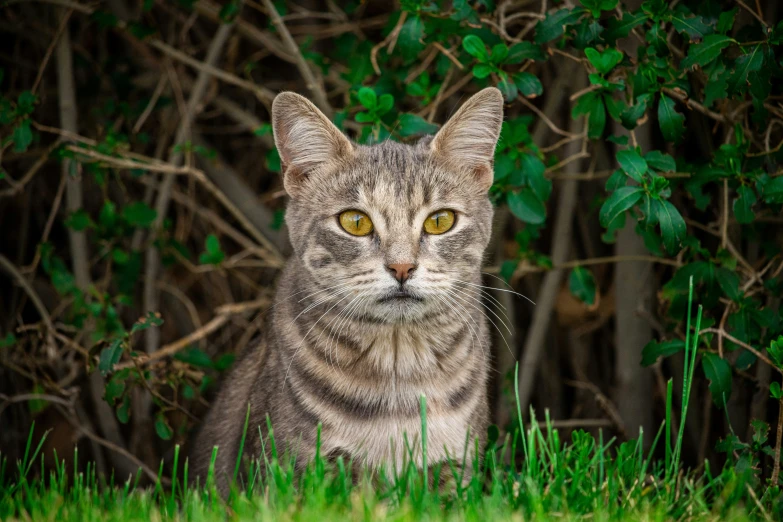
x=141, y=225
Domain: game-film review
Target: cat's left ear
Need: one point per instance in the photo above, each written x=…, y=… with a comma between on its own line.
x=309, y=144
x=468, y=139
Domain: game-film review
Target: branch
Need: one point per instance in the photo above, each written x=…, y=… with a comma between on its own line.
x=724, y=333
x=778, y=438
x=230, y=183
x=17, y=186
x=33, y=295
x=313, y=83
x=78, y=240
x=262, y=38
x=539, y=325
x=208, y=66
x=224, y=313
x=390, y=37
x=152, y=258
x=695, y=105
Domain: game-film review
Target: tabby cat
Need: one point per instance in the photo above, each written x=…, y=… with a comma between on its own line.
x=379, y=303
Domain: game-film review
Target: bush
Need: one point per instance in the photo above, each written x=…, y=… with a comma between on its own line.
x=135, y=135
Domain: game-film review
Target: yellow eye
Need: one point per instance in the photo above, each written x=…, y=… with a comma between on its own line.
x=439, y=222
x=356, y=223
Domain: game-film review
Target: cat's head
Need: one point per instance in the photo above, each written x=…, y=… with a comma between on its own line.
x=391, y=231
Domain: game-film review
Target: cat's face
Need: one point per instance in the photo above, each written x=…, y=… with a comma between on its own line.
x=390, y=232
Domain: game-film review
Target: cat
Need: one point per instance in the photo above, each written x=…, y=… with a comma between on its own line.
x=379, y=303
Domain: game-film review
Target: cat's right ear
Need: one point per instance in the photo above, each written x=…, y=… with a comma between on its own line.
x=307, y=141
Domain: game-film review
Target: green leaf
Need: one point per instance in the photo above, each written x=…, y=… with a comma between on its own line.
x=482, y=70
x=581, y=283
x=703, y=53
x=773, y=190
x=213, y=254
x=7, y=341
x=672, y=226
x=743, y=66
x=412, y=125
x=615, y=181
x=774, y=390
x=263, y=130
x=139, y=214
x=622, y=28
x=123, y=410
x=365, y=117
x=162, y=428
x=718, y=371
x=367, y=97
x=528, y=84
x=507, y=87
x=194, y=357
x=553, y=26
x=499, y=53
x=655, y=350
x=150, y=320
x=25, y=103
x=110, y=356
x=695, y=26
x=385, y=103
x=631, y=116
x=140, y=30
x=660, y=161
x=743, y=205
x=22, y=136
x=596, y=6
x=728, y=281
x=670, y=120
x=621, y=200
x=79, y=221
x=525, y=205
x=632, y=164
x=533, y=174
x=522, y=51
x=230, y=11
x=475, y=47
x=596, y=120
x=410, y=40
x=605, y=61
x=726, y=20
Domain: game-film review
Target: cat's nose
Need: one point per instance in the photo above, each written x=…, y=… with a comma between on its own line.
x=401, y=271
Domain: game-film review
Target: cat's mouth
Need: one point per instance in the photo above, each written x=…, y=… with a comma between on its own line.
x=399, y=296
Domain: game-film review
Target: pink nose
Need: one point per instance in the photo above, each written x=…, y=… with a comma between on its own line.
x=401, y=271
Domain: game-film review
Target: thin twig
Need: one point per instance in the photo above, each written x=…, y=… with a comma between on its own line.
x=33, y=295
x=78, y=241
x=448, y=55
x=778, y=438
x=17, y=186
x=313, y=84
x=262, y=93
x=727, y=335
x=752, y=13
x=389, y=38
x=554, y=128
x=224, y=314
x=152, y=258
x=50, y=49
x=536, y=337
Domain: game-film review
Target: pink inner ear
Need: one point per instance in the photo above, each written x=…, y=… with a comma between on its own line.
x=485, y=175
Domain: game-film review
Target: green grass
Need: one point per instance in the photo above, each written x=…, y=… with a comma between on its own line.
x=531, y=474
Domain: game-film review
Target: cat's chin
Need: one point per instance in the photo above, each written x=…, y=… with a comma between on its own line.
x=400, y=309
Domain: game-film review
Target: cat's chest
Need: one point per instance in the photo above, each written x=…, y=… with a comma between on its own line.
x=391, y=441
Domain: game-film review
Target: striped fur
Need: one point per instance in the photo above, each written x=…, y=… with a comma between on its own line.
x=336, y=351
